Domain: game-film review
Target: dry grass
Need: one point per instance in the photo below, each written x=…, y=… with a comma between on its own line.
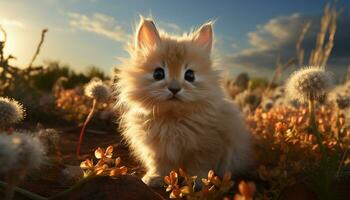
x=320, y=55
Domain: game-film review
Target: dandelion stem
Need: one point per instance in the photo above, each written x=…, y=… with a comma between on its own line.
x=313, y=126
x=84, y=126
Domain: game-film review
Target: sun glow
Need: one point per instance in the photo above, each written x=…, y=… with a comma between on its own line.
x=15, y=41
x=10, y=44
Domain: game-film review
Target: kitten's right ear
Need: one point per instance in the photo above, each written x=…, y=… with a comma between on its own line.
x=147, y=34
x=204, y=36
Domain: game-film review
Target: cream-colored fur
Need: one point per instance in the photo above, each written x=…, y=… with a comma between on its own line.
x=199, y=130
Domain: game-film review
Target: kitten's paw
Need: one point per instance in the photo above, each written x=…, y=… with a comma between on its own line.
x=153, y=180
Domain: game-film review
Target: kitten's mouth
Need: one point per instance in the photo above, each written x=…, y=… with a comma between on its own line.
x=174, y=98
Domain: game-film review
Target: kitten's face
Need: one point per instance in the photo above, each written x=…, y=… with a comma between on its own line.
x=171, y=71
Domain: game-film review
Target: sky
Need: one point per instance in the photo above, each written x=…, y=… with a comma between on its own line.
x=250, y=34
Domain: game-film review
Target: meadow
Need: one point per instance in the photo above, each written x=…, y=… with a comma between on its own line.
x=59, y=138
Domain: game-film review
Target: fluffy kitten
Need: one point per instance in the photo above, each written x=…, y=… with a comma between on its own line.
x=174, y=111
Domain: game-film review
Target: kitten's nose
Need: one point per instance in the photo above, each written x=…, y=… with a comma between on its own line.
x=174, y=90
x=174, y=87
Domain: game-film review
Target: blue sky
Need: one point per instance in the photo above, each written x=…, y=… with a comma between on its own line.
x=93, y=32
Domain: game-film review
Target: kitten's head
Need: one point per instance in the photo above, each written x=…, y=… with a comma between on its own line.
x=166, y=71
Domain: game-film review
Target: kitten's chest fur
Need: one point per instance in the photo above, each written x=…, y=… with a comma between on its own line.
x=175, y=137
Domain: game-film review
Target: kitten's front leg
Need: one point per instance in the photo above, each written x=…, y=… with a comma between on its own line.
x=153, y=180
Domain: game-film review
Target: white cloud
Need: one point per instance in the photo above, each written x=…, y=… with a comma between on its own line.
x=100, y=24
x=275, y=32
x=278, y=37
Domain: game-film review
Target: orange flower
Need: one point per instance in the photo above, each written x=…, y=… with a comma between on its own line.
x=171, y=181
x=118, y=171
x=87, y=164
x=100, y=167
x=176, y=191
x=100, y=154
x=105, y=165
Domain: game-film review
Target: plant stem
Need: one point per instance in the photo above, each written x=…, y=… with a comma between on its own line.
x=44, y=31
x=24, y=192
x=73, y=188
x=314, y=128
x=337, y=123
x=84, y=126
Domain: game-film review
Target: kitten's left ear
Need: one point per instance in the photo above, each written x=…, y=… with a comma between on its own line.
x=204, y=36
x=147, y=34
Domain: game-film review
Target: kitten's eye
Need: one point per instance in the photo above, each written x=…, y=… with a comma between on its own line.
x=189, y=75
x=158, y=74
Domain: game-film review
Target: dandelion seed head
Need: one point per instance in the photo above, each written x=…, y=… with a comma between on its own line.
x=267, y=104
x=8, y=153
x=30, y=151
x=96, y=89
x=247, y=98
x=48, y=136
x=342, y=100
x=309, y=83
x=10, y=111
x=278, y=93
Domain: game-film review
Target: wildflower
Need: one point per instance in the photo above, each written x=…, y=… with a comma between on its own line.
x=88, y=167
x=30, y=150
x=50, y=139
x=278, y=93
x=118, y=171
x=8, y=153
x=19, y=153
x=96, y=89
x=247, y=99
x=20, y=150
x=171, y=180
x=212, y=179
x=267, y=104
x=242, y=81
x=343, y=101
x=10, y=111
x=106, y=166
x=48, y=136
x=100, y=154
x=309, y=83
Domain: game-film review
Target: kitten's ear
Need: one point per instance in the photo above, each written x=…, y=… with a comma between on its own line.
x=204, y=36
x=147, y=34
